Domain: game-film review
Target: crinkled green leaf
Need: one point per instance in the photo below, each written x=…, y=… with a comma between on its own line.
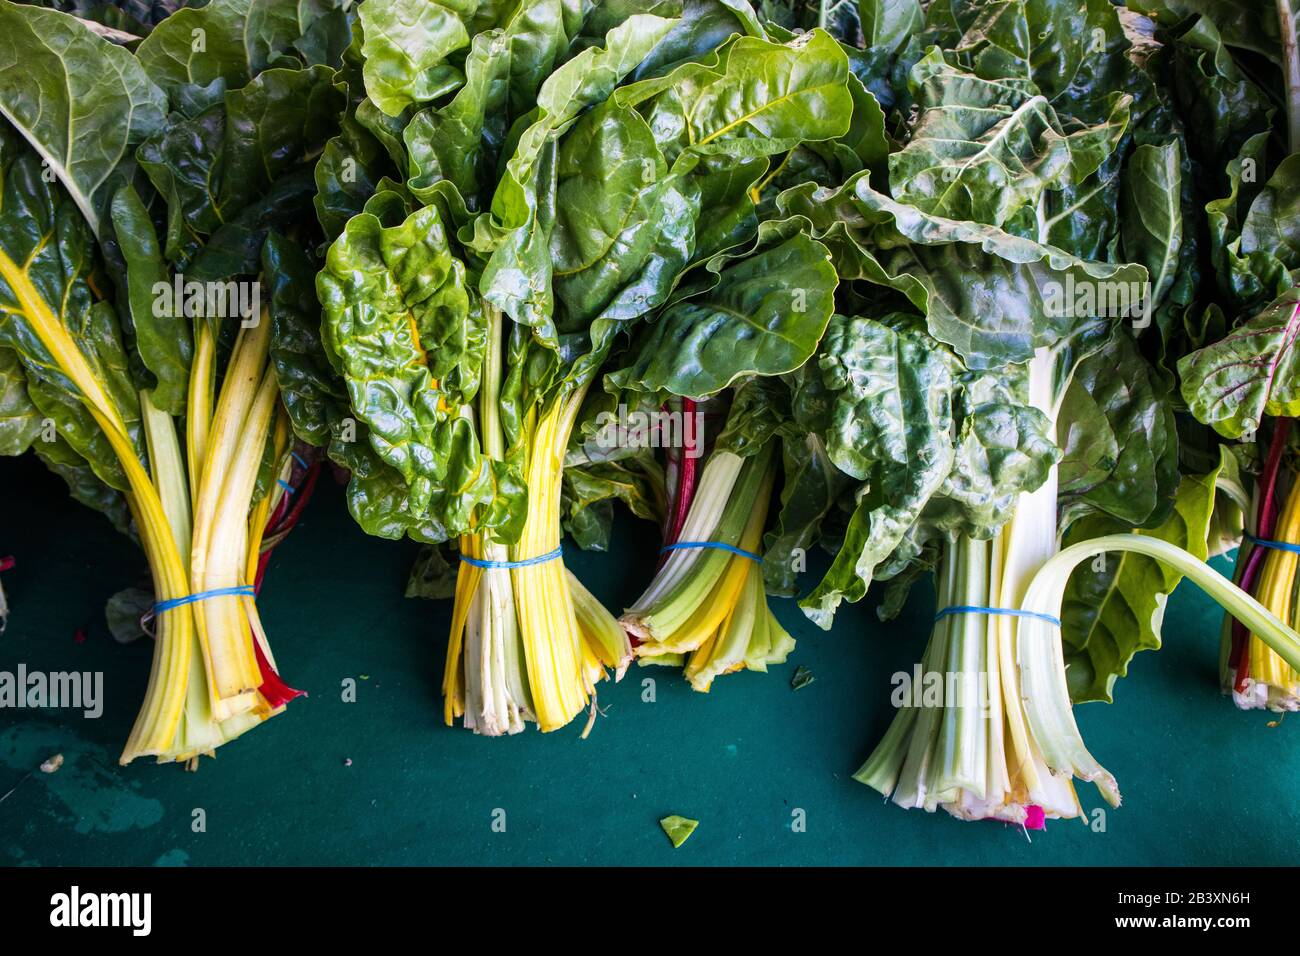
x=984, y=149
x=231, y=40
x=46, y=254
x=892, y=420
x=518, y=277
x=1003, y=449
x=1222, y=107
x=214, y=168
x=407, y=43
x=764, y=98
x=410, y=340
x=20, y=420
x=1072, y=51
x=765, y=315
x=1119, y=436
x=623, y=229
x=992, y=296
x=310, y=388
x=460, y=143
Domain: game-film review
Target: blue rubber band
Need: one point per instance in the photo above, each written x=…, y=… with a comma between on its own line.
x=714, y=545
x=243, y=589
x=285, y=485
x=299, y=459
x=492, y=565
x=1274, y=545
x=1007, y=611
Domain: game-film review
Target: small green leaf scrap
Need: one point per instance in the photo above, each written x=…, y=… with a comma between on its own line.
x=678, y=828
x=802, y=677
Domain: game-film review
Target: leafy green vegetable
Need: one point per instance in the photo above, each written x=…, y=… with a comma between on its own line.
x=1231, y=384
x=1114, y=606
x=82, y=103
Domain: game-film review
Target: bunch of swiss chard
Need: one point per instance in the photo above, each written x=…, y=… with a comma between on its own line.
x=543, y=179
x=1239, y=73
x=157, y=174
x=1020, y=270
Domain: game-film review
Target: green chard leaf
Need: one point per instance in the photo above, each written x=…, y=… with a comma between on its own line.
x=1252, y=372
x=20, y=420
x=891, y=427
x=764, y=314
x=1119, y=436
x=992, y=296
x=984, y=149
x=164, y=342
x=516, y=233
x=407, y=43
x=409, y=336
x=1114, y=606
x=80, y=101
x=228, y=40
x=46, y=255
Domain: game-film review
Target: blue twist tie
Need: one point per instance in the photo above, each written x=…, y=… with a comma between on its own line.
x=999, y=611
x=285, y=485
x=1274, y=545
x=491, y=565
x=714, y=545
x=243, y=589
x=299, y=459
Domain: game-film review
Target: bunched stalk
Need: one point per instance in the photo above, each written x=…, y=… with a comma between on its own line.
x=528, y=641
x=548, y=624
x=984, y=748
x=706, y=606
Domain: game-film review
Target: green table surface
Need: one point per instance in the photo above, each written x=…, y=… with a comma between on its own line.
x=383, y=781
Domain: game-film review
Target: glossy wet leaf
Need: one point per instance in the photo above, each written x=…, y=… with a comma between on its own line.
x=407, y=43
x=80, y=101
x=984, y=149
x=162, y=337
x=230, y=40
x=765, y=315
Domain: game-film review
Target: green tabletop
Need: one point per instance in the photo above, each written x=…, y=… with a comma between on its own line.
x=382, y=781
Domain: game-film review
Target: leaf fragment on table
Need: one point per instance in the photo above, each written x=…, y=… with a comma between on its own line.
x=678, y=828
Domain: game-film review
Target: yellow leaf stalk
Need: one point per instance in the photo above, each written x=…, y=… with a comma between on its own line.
x=204, y=678
x=1270, y=682
x=528, y=641
x=706, y=605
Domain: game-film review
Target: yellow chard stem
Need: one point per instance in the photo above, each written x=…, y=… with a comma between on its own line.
x=547, y=619
x=160, y=713
x=228, y=475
